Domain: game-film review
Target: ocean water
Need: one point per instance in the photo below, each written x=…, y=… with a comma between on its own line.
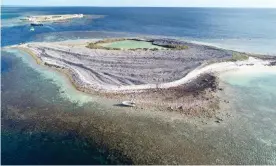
x=256, y=89
x=41, y=121
x=234, y=27
x=47, y=148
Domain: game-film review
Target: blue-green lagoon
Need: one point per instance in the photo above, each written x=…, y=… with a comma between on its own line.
x=131, y=44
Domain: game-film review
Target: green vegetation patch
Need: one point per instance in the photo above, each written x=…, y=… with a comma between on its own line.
x=239, y=56
x=176, y=47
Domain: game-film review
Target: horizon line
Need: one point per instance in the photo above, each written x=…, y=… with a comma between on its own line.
x=244, y=7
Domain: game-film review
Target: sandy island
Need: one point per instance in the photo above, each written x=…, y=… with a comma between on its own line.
x=175, y=79
x=52, y=18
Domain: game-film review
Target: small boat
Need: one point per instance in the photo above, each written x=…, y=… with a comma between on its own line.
x=36, y=24
x=128, y=103
x=32, y=29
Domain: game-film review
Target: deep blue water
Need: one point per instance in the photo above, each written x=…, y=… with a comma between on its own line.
x=24, y=88
x=44, y=148
x=198, y=23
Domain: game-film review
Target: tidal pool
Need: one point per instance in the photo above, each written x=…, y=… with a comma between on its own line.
x=131, y=44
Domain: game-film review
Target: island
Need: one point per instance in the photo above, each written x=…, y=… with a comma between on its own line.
x=154, y=72
x=51, y=18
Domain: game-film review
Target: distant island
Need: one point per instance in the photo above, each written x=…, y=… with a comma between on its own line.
x=51, y=18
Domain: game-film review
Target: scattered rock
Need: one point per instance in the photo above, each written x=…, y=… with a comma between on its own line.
x=219, y=119
x=225, y=101
x=170, y=108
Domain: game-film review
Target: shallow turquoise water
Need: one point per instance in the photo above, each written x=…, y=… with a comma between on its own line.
x=66, y=89
x=261, y=81
x=252, y=97
x=255, y=90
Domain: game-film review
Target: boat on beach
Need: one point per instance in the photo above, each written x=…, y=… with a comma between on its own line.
x=128, y=103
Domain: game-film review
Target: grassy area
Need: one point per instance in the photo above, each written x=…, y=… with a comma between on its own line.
x=176, y=47
x=239, y=56
x=97, y=46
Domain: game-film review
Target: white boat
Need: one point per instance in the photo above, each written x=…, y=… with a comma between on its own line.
x=128, y=103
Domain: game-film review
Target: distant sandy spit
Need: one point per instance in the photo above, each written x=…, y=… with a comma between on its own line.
x=46, y=18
